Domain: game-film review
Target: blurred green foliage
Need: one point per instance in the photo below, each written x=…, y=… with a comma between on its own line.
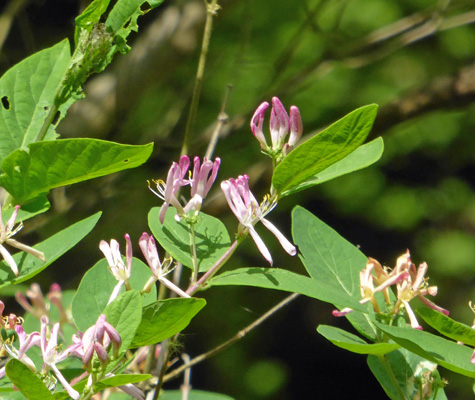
x=328, y=57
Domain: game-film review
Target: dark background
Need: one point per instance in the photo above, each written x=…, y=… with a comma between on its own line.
x=415, y=58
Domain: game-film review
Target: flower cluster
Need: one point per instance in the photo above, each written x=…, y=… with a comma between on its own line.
x=280, y=125
x=249, y=212
x=99, y=345
x=410, y=283
x=200, y=180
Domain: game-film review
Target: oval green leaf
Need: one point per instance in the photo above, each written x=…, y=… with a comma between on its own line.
x=48, y=165
x=324, y=149
x=212, y=238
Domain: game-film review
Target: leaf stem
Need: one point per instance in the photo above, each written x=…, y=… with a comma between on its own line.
x=232, y=340
x=195, y=286
x=384, y=360
x=211, y=10
x=194, y=259
x=47, y=123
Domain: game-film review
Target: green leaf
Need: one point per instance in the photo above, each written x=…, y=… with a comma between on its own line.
x=92, y=14
x=450, y=355
x=333, y=261
x=407, y=370
x=323, y=150
x=36, y=206
x=123, y=19
x=287, y=281
x=362, y=157
x=48, y=165
x=193, y=395
x=212, y=238
x=119, y=380
x=26, y=381
x=53, y=248
x=350, y=342
x=164, y=319
x=96, y=288
x=125, y=315
x=27, y=91
x=447, y=326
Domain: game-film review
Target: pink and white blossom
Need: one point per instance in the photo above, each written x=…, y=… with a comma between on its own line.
x=249, y=212
x=159, y=269
x=120, y=270
x=6, y=233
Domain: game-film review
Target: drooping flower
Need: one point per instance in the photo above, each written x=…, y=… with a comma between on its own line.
x=249, y=212
x=117, y=267
x=38, y=306
x=367, y=288
x=51, y=355
x=415, y=285
x=409, y=281
x=25, y=343
x=6, y=233
x=279, y=126
x=167, y=190
x=159, y=269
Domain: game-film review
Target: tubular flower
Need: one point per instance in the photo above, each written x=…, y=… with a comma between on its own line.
x=409, y=281
x=38, y=306
x=117, y=267
x=367, y=287
x=415, y=285
x=279, y=126
x=96, y=340
x=159, y=269
x=249, y=212
x=51, y=356
x=167, y=190
x=25, y=343
x=202, y=179
x=6, y=233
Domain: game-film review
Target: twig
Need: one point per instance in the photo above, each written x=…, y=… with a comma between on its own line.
x=222, y=120
x=7, y=17
x=211, y=10
x=232, y=340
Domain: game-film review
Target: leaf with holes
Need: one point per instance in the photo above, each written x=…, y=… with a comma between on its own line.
x=48, y=165
x=27, y=93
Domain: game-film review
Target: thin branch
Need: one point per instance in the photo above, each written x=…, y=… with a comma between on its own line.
x=211, y=10
x=230, y=341
x=222, y=120
x=7, y=17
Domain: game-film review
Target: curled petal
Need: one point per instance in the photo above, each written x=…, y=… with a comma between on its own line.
x=260, y=245
x=257, y=122
x=288, y=247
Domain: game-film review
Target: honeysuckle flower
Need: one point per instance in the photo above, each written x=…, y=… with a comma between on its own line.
x=167, y=190
x=409, y=281
x=52, y=355
x=367, y=288
x=280, y=123
x=415, y=285
x=6, y=233
x=117, y=267
x=97, y=340
x=34, y=294
x=249, y=212
x=55, y=296
x=25, y=343
x=202, y=179
x=159, y=269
